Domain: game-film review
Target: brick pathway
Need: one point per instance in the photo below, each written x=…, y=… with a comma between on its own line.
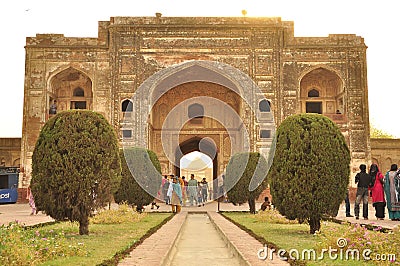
x=155, y=250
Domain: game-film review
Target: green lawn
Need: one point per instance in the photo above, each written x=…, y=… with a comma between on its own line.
x=289, y=237
x=105, y=240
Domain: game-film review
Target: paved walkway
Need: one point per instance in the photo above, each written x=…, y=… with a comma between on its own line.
x=164, y=247
x=199, y=243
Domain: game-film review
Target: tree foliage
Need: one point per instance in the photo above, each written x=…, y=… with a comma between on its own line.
x=379, y=134
x=310, y=171
x=141, y=177
x=75, y=166
x=243, y=167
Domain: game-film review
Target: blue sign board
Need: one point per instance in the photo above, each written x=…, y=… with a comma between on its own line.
x=8, y=185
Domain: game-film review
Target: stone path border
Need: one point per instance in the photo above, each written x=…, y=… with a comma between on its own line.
x=156, y=249
x=246, y=245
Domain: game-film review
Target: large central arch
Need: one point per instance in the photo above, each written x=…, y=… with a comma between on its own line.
x=241, y=99
x=195, y=111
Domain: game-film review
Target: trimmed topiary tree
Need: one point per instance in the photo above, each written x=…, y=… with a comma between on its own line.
x=310, y=170
x=141, y=177
x=240, y=171
x=75, y=166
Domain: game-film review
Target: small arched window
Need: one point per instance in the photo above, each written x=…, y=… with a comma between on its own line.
x=78, y=92
x=127, y=106
x=264, y=106
x=313, y=93
x=196, y=111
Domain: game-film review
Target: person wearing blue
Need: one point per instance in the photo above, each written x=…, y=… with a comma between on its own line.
x=175, y=193
x=392, y=192
x=192, y=190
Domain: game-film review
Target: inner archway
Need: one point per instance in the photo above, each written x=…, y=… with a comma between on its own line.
x=200, y=165
x=322, y=92
x=70, y=89
x=197, y=146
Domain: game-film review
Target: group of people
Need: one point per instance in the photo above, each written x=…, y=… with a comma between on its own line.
x=177, y=190
x=384, y=190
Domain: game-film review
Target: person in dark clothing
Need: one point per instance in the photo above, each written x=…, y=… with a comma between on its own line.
x=266, y=204
x=363, y=180
x=347, y=202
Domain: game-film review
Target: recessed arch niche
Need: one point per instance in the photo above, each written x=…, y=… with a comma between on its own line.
x=322, y=91
x=71, y=89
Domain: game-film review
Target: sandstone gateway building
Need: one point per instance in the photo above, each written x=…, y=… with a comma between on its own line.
x=177, y=59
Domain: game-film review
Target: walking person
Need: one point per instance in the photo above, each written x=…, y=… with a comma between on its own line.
x=175, y=193
x=378, y=198
x=204, y=190
x=165, y=186
x=30, y=198
x=199, y=196
x=363, y=180
x=392, y=191
x=192, y=190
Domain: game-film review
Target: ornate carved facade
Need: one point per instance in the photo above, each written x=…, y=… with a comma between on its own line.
x=169, y=61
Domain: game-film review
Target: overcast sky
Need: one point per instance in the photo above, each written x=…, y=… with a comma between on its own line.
x=376, y=22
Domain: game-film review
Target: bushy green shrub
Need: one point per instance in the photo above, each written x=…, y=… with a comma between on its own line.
x=141, y=177
x=310, y=170
x=21, y=246
x=241, y=170
x=75, y=166
x=123, y=214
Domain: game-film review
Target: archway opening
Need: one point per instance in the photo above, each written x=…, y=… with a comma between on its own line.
x=201, y=166
x=69, y=89
x=205, y=147
x=322, y=92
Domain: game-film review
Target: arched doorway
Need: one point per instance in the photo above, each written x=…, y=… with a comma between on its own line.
x=70, y=89
x=197, y=163
x=194, y=124
x=322, y=92
x=202, y=145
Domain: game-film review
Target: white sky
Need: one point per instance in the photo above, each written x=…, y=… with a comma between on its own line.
x=188, y=158
x=377, y=22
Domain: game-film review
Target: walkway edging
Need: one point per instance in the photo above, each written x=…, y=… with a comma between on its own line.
x=230, y=245
x=155, y=249
x=245, y=244
x=166, y=260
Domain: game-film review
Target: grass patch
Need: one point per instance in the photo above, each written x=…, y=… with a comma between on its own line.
x=289, y=236
x=59, y=243
x=108, y=243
